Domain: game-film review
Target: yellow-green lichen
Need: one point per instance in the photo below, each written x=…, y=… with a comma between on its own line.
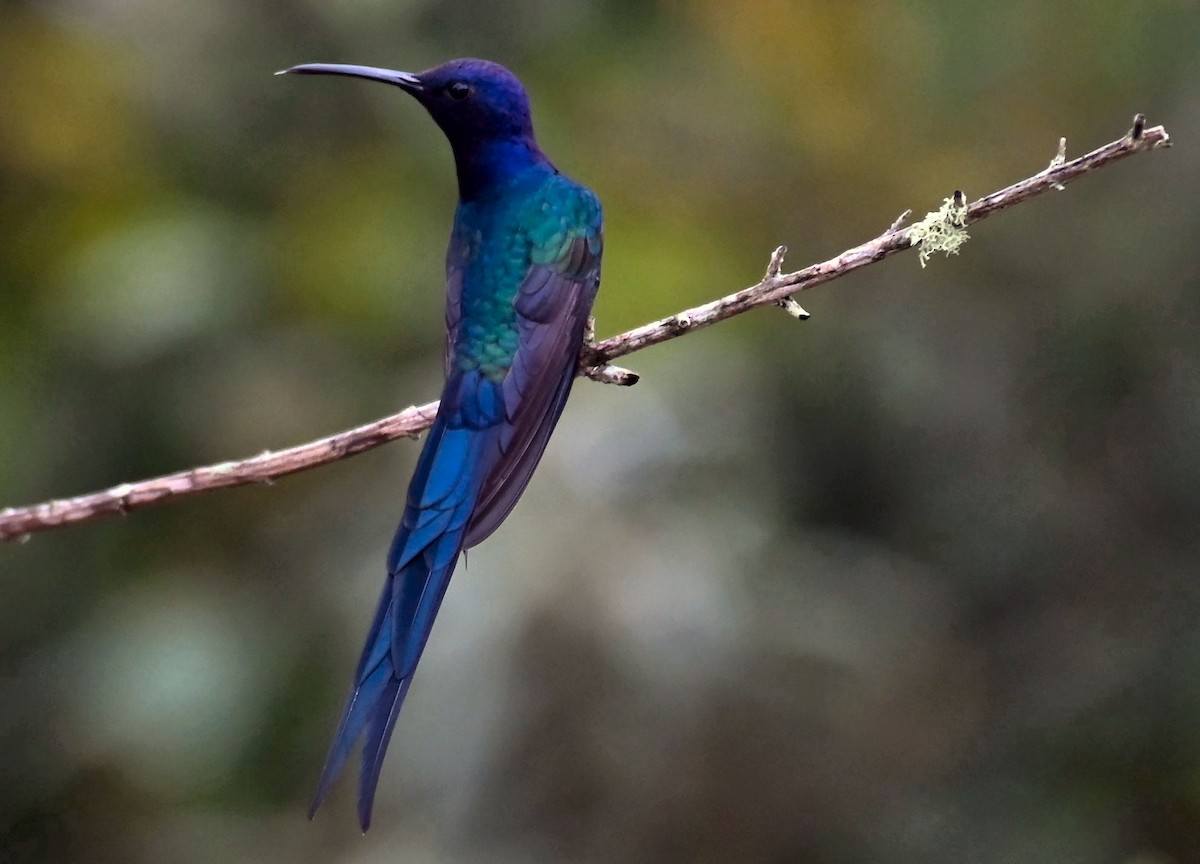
x=943, y=230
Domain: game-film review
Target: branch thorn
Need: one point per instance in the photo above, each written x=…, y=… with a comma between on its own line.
x=610, y=374
x=775, y=265
x=794, y=309
x=1139, y=126
x=900, y=220
x=774, y=269
x=1060, y=158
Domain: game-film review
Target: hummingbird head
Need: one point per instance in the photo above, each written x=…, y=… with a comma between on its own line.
x=480, y=105
x=473, y=101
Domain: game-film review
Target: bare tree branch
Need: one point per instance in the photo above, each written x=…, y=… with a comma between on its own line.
x=775, y=288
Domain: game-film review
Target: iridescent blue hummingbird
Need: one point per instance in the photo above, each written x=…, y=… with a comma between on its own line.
x=522, y=271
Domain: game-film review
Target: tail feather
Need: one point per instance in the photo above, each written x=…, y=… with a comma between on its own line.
x=419, y=599
x=428, y=542
x=383, y=721
x=381, y=685
x=375, y=672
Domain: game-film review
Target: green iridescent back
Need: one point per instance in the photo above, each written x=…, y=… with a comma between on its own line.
x=496, y=242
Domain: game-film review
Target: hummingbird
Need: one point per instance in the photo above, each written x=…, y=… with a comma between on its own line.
x=522, y=271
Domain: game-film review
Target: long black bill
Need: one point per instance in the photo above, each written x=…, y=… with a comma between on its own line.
x=404, y=80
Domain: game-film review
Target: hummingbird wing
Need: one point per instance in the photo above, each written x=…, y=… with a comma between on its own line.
x=552, y=305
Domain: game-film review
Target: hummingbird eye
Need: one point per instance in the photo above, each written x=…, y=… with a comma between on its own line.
x=458, y=90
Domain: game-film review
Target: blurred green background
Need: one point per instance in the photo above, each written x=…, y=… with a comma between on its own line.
x=917, y=580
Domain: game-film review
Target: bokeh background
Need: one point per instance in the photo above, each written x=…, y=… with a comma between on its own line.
x=917, y=580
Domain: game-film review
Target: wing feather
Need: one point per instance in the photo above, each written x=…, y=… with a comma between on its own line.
x=552, y=309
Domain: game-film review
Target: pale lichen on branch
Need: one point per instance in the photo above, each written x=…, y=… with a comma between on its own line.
x=942, y=230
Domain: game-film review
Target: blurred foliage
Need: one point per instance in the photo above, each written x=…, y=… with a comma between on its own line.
x=913, y=581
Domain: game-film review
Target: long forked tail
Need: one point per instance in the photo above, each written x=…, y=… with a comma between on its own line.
x=441, y=497
x=374, y=702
